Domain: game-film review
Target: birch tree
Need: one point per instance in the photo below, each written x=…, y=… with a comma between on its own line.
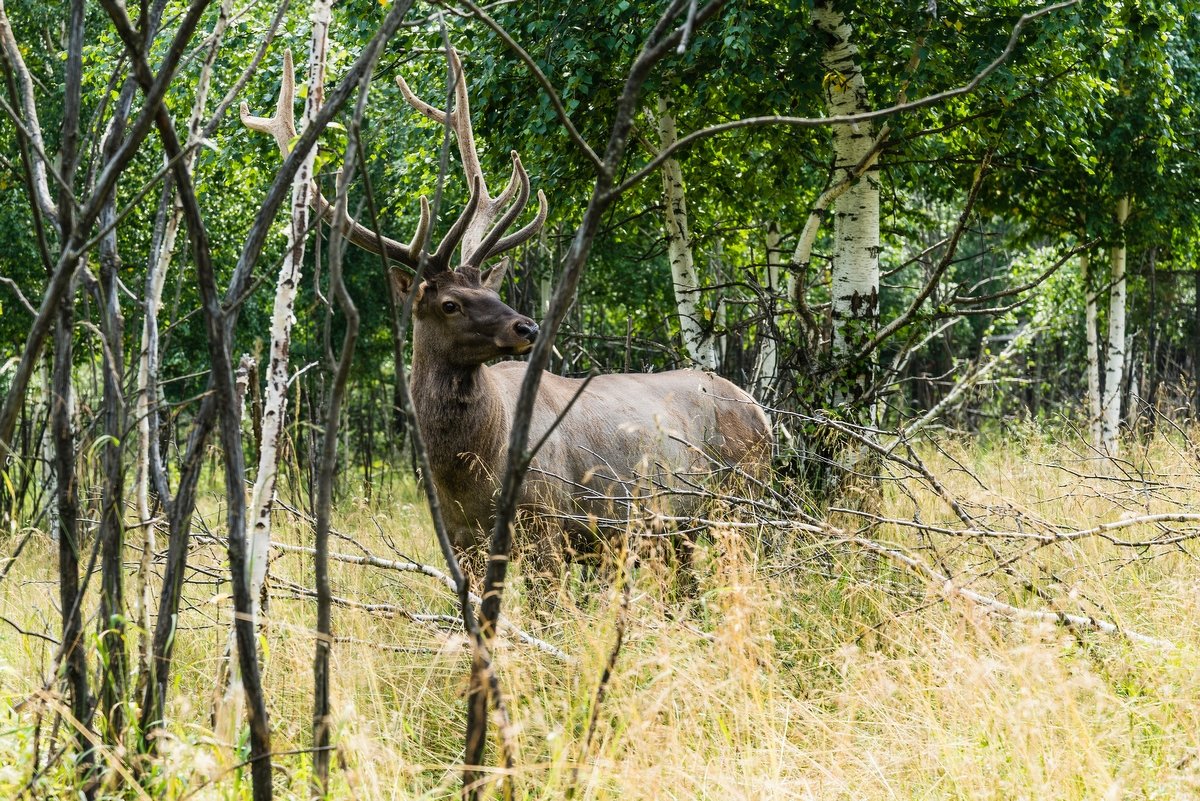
x=282, y=128
x=766, y=369
x=855, y=257
x=699, y=339
x=1092, y=339
x=1114, y=357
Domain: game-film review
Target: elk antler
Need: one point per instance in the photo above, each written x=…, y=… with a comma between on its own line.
x=481, y=240
x=283, y=128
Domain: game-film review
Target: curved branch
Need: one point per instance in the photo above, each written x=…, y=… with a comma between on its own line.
x=844, y=119
x=541, y=78
x=947, y=257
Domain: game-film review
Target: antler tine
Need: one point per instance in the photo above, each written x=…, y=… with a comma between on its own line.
x=282, y=127
x=521, y=179
x=373, y=242
x=460, y=120
x=432, y=112
x=514, y=183
x=441, y=258
x=525, y=233
x=423, y=226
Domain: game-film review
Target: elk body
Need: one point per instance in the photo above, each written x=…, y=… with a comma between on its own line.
x=625, y=442
x=621, y=443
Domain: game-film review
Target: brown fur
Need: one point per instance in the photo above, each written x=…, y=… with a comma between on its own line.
x=626, y=434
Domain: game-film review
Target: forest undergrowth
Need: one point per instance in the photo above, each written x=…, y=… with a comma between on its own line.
x=804, y=667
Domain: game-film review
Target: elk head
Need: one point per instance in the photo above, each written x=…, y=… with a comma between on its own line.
x=464, y=323
x=457, y=310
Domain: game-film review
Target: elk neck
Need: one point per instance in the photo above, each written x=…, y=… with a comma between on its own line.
x=461, y=414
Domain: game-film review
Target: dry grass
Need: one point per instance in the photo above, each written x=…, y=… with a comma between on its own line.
x=808, y=671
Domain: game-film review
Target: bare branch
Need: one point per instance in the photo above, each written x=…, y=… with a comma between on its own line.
x=936, y=274
x=845, y=119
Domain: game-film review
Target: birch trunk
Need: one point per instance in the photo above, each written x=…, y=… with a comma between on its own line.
x=50, y=475
x=1133, y=398
x=282, y=318
x=766, y=370
x=700, y=345
x=146, y=400
x=1091, y=316
x=855, y=280
x=1114, y=362
x=1195, y=343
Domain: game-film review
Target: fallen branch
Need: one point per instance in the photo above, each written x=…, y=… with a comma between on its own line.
x=915, y=564
x=506, y=625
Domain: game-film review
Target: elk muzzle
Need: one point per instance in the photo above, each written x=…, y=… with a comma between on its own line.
x=526, y=329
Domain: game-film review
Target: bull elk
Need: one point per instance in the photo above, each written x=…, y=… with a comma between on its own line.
x=621, y=434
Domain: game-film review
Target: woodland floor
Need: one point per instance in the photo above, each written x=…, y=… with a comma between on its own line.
x=807, y=669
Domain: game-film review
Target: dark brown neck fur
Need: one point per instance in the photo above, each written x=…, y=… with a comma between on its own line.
x=461, y=417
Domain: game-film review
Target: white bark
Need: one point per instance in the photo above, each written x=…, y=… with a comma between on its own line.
x=1134, y=398
x=766, y=370
x=49, y=475
x=1114, y=362
x=855, y=279
x=802, y=255
x=700, y=345
x=28, y=108
x=274, y=412
x=148, y=357
x=1091, y=316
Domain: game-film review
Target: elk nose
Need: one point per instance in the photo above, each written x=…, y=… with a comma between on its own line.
x=526, y=329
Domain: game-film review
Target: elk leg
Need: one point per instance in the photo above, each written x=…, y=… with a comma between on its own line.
x=685, y=566
x=543, y=563
x=473, y=563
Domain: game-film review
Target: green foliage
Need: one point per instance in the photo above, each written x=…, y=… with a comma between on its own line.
x=1096, y=101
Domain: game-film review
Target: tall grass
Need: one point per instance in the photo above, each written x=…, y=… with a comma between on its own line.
x=804, y=669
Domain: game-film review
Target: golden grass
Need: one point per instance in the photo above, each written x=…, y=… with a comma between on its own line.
x=810, y=671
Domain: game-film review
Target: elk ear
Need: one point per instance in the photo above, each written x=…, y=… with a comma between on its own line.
x=400, y=282
x=493, y=279
x=428, y=285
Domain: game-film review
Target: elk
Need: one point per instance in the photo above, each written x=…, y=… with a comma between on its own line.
x=622, y=432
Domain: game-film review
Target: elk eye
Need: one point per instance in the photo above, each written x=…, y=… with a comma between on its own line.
x=449, y=307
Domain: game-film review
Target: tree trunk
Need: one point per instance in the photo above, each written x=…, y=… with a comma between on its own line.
x=324, y=506
x=1152, y=340
x=1114, y=362
x=1196, y=342
x=149, y=466
x=115, y=677
x=1094, y=403
x=700, y=344
x=766, y=371
x=855, y=280
x=282, y=318
x=47, y=446
x=74, y=654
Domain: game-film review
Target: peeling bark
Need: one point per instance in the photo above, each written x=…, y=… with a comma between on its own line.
x=1091, y=316
x=699, y=343
x=282, y=317
x=1114, y=362
x=855, y=281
